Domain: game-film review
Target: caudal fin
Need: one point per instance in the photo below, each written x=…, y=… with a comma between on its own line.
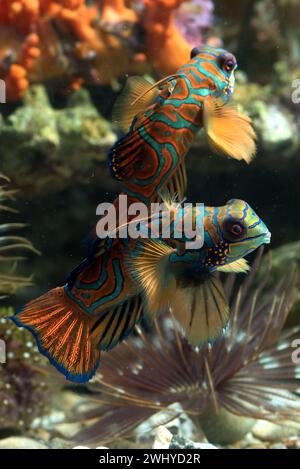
x=62, y=331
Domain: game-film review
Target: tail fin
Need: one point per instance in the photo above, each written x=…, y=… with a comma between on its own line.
x=62, y=331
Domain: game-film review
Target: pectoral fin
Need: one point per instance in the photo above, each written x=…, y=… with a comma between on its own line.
x=229, y=131
x=149, y=267
x=202, y=310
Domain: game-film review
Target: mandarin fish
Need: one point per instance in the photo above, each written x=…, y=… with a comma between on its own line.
x=161, y=122
x=108, y=294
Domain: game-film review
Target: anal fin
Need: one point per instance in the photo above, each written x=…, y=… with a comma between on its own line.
x=115, y=324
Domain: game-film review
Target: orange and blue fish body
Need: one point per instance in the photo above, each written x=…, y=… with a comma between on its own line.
x=162, y=124
x=110, y=292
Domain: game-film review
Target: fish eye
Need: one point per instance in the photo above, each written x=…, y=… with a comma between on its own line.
x=227, y=62
x=236, y=229
x=233, y=229
x=229, y=65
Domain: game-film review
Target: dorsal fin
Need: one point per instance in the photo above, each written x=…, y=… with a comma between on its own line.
x=152, y=87
x=136, y=96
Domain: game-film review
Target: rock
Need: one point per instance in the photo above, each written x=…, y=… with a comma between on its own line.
x=16, y=442
x=67, y=430
x=275, y=126
x=297, y=444
x=278, y=446
x=248, y=441
x=163, y=438
x=181, y=426
x=224, y=427
x=182, y=443
x=48, y=422
x=268, y=431
x=43, y=148
x=257, y=446
x=60, y=443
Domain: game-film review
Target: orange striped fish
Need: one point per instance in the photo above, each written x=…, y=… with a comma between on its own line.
x=161, y=122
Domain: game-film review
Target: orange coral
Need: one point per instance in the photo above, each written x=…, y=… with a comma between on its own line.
x=20, y=17
x=31, y=48
x=16, y=78
x=114, y=11
x=80, y=20
x=30, y=51
x=166, y=47
x=16, y=82
x=111, y=59
x=20, y=13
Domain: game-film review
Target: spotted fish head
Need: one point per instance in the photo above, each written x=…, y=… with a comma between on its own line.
x=232, y=232
x=216, y=67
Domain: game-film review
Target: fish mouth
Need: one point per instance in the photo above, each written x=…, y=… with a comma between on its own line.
x=230, y=82
x=267, y=238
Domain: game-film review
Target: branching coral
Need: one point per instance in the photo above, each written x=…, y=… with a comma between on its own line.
x=17, y=19
x=166, y=47
x=248, y=372
x=16, y=78
x=20, y=13
x=97, y=41
x=114, y=11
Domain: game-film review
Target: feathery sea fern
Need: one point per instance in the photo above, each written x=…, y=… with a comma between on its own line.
x=248, y=371
x=11, y=246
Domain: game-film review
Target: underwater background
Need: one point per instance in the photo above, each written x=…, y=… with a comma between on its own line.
x=64, y=64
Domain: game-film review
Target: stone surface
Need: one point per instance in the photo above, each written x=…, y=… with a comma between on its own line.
x=15, y=442
x=182, y=443
x=181, y=425
x=163, y=438
x=268, y=431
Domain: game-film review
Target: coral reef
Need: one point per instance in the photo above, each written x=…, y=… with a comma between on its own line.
x=40, y=145
x=97, y=41
x=237, y=374
x=163, y=36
